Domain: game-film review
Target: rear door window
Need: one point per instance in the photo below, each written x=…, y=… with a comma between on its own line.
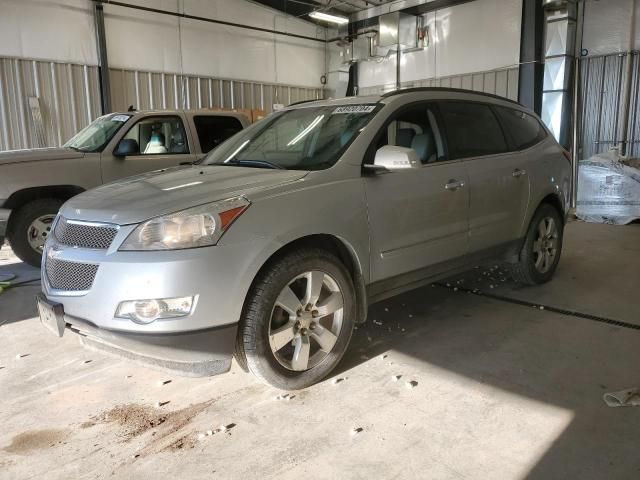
x=213, y=130
x=522, y=130
x=472, y=129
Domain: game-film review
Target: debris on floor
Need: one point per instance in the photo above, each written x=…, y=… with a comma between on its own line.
x=411, y=384
x=356, y=430
x=285, y=396
x=623, y=398
x=395, y=378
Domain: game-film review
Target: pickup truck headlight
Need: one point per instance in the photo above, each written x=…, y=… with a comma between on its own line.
x=194, y=227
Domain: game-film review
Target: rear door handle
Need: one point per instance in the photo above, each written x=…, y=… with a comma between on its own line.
x=453, y=185
x=519, y=172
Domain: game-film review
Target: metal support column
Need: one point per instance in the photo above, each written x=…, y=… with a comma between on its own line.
x=103, y=62
x=560, y=39
x=531, y=71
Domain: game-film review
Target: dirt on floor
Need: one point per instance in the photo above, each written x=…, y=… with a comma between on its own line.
x=134, y=419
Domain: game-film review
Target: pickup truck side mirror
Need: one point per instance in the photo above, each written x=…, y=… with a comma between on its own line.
x=127, y=146
x=391, y=158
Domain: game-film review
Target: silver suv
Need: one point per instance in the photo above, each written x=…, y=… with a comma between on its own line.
x=274, y=245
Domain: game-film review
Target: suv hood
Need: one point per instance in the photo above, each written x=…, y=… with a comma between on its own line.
x=135, y=199
x=38, y=154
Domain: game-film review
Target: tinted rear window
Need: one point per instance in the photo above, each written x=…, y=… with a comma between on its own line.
x=472, y=130
x=523, y=130
x=212, y=130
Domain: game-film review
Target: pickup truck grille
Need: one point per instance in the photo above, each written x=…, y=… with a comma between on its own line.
x=84, y=234
x=70, y=276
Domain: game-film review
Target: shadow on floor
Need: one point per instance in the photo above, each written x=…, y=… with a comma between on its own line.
x=558, y=360
x=18, y=303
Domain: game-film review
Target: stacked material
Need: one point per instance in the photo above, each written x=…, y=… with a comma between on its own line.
x=608, y=189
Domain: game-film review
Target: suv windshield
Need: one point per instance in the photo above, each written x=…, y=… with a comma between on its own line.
x=308, y=138
x=95, y=136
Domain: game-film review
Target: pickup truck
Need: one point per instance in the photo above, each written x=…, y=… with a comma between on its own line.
x=35, y=183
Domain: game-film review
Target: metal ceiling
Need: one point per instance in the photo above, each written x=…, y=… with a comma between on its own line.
x=302, y=8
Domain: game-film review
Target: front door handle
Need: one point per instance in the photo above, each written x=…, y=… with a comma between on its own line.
x=453, y=185
x=519, y=172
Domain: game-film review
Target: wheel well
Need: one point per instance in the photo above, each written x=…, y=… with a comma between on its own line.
x=26, y=195
x=553, y=200
x=338, y=248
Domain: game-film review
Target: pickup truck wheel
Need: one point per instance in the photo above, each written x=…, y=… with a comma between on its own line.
x=30, y=226
x=297, y=320
x=540, y=253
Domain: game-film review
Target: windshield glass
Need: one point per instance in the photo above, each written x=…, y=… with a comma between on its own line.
x=95, y=136
x=311, y=138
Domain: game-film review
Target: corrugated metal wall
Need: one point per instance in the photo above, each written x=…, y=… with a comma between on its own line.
x=601, y=84
x=44, y=104
x=148, y=90
x=503, y=82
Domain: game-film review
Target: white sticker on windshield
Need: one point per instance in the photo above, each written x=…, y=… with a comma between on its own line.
x=354, y=109
x=120, y=118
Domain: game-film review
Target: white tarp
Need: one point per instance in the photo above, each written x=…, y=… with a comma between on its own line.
x=608, y=190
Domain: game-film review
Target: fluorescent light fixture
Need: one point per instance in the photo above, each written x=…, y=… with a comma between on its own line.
x=329, y=18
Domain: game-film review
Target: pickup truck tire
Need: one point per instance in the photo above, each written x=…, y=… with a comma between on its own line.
x=33, y=219
x=304, y=302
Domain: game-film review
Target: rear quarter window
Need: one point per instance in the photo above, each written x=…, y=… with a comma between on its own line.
x=472, y=129
x=522, y=130
x=212, y=130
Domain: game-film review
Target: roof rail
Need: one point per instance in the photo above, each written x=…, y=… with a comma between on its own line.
x=302, y=101
x=446, y=89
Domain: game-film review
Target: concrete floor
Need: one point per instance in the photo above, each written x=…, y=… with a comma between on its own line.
x=503, y=391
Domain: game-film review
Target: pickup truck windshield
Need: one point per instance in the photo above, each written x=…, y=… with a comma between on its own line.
x=308, y=138
x=96, y=135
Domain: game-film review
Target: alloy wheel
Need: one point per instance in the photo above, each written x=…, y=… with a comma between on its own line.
x=306, y=320
x=545, y=245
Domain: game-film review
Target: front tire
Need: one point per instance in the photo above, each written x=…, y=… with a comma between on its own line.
x=297, y=320
x=542, y=247
x=30, y=226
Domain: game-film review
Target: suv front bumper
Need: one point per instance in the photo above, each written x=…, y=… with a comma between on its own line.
x=198, y=344
x=193, y=354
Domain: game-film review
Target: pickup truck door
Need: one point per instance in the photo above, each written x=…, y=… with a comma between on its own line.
x=155, y=142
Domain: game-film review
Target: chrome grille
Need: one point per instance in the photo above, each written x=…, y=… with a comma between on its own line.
x=84, y=235
x=70, y=276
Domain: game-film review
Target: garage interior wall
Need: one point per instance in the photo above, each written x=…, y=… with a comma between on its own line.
x=474, y=45
x=608, y=43
x=49, y=85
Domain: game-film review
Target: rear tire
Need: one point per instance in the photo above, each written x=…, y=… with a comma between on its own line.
x=297, y=320
x=30, y=226
x=542, y=247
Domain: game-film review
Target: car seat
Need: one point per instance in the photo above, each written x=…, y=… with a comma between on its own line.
x=156, y=144
x=177, y=143
x=404, y=137
x=425, y=146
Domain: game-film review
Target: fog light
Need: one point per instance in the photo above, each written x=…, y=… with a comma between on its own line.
x=146, y=311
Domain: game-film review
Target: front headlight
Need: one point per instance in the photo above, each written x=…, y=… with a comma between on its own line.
x=194, y=227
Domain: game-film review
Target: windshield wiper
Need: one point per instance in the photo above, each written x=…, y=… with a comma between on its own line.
x=254, y=163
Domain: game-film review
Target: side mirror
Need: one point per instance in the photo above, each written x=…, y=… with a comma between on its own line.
x=127, y=146
x=391, y=158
